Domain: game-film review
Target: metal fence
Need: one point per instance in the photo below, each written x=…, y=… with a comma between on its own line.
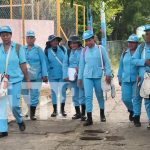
x=115, y=49
x=67, y=20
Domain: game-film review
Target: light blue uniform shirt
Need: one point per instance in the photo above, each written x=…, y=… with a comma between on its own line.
x=138, y=59
x=55, y=69
x=14, y=70
x=90, y=63
x=35, y=58
x=127, y=72
x=73, y=61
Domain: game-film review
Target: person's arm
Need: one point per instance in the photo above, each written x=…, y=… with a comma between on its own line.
x=43, y=65
x=137, y=60
x=108, y=70
x=81, y=68
x=23, y=66
x=65, y=67
x=120, y=70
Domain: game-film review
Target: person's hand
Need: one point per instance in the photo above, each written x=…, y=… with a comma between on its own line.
x=45, y=79
x=66, y=79
x=77, y=69
x=147, y=63
x=80, y=83
x=108, y=79
x=5, y=85
x=138, y=79
x=120, y=83
x=28, y=85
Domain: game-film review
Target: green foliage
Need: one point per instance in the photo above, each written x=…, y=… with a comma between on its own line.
x=122, y=16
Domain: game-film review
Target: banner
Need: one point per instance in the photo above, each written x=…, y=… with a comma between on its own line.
x=103, y=26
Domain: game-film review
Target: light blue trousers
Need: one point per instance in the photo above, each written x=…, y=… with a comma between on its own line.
x=137, y=104
x=78, y=95
x=58, y=87
x=128, y=94
x=13, y=98
x=89, y=85
x=31, y=97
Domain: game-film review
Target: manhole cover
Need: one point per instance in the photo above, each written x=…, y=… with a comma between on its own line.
x=90, y=138
x=114, y=138
x=90, y=134
x=94, y=131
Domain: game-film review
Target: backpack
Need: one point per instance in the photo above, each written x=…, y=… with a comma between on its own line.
x=17, y=48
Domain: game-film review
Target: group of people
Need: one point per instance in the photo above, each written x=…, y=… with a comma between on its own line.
x=78, y=68
x=134, y=62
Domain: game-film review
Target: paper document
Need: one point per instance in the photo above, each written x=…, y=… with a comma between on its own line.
x=72, y=73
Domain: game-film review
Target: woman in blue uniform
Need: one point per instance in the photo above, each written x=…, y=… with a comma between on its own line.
x=37, y=71
x=15, y=56
x=90, y=73
x=141, y=59
x=127, y=75
x=54, y=57
x=71, y=60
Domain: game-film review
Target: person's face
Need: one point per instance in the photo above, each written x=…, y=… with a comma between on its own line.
x=54, y=43
x=90, y=42
x=30, y=40
x=132, y=45
x=147, y=36
x=74, y=45
x=6, y=37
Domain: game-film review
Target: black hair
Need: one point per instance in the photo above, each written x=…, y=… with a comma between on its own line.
x=6, y=32
x=48, y=45
x=79, y=44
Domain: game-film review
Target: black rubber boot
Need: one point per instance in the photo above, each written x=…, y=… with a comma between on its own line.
x=3, y=134
x=89, y=120
x=148, y=127
x=131, y=118
x=32, y=113
x=78, y=114
x=83, y=118
x=54, y=114
x=22, y=126
x=137, y=122
x=102, y=115
x=63, y=110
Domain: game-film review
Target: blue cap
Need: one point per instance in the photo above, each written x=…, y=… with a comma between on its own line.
x=133, y=38
x=147, y=27
x=30, y=33
x=87, y=34
x=5, y=29
x=53, y=37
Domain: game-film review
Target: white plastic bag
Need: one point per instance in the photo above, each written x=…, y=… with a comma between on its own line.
x=145, y=88
x=105, y=87
x=3, y=85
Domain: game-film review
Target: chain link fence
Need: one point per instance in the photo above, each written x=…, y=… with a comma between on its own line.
x=43, y=10
x=115, y=49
